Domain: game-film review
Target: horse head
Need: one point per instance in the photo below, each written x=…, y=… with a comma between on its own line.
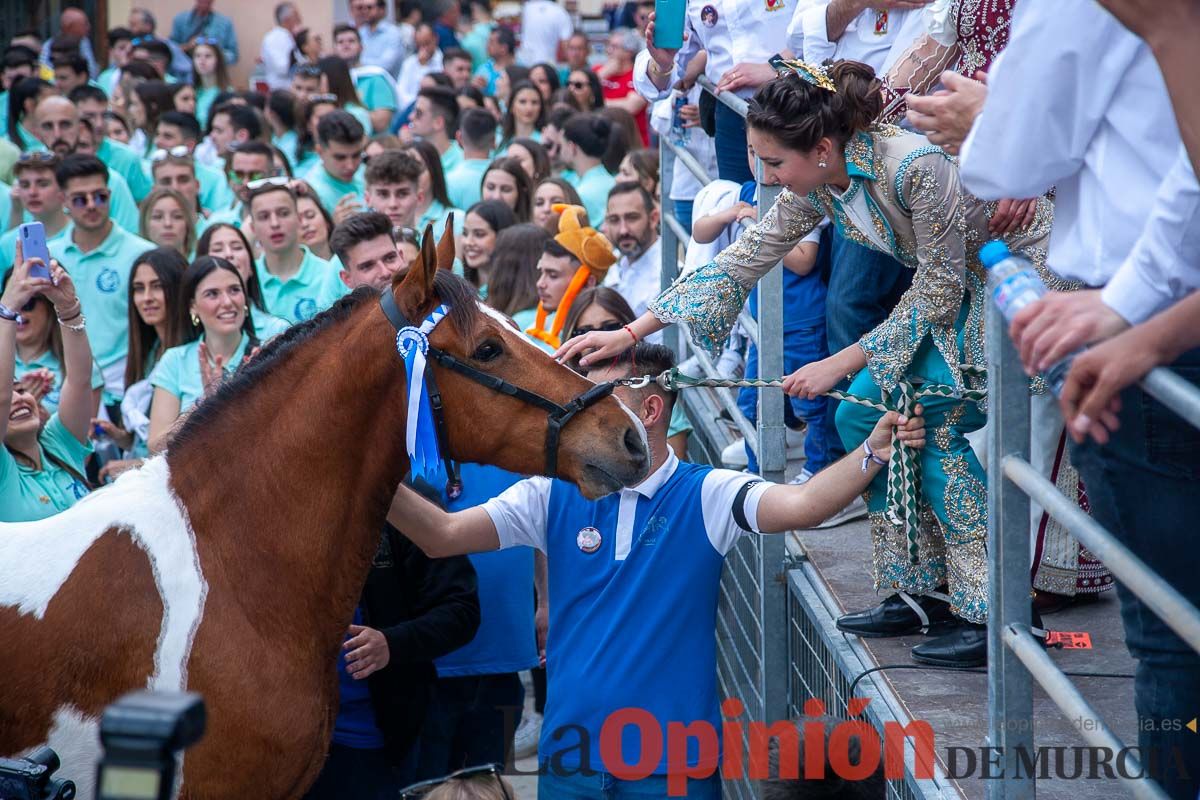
x=502, y=375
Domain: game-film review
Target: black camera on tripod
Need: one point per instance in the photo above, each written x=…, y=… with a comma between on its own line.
x=31, y=778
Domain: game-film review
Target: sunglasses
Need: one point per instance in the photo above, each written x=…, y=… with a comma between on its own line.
x=322, y=98
x=308, y=71
x=606, y=327
x=470, y=773
x=179, y=151
x=37, y=157
x=209, y=40
x=99, y=197
x=577, y=84
x=25, y=309
x=274, y=180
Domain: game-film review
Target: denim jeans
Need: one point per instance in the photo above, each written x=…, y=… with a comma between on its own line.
x=800, y=347
x=732, y=164
x=683, y=211
x=864, y=287
x=471, y=720
x=1143, y=488
x=605, y=786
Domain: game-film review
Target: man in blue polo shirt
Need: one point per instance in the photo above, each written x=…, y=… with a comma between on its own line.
x=337, y=177
x=633, y=585
x=296, y=285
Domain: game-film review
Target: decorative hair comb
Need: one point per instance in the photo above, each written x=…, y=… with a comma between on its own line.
x=815, y=74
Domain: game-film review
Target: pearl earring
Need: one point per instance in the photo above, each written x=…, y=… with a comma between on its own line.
x=195, y=321
x=821, y=164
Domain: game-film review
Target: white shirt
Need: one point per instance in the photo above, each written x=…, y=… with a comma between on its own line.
x=743, y=30
x=685, y=185
x=382, y=46
x=639, y=281
x=519, y=512
x=277, y=47
x=543, y=25
x=1164, y=266
x=1076, y=102
x=409, y=82
x=874, y=37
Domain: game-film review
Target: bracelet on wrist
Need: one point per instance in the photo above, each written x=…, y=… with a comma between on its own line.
x=629, y=330
x=8, y=315
x=77, y=327
x=870, y=456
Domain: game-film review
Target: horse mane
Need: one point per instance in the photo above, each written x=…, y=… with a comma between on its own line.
x=450, y=288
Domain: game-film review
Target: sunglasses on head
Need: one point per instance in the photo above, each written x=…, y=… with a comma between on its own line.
x=210, y=40
x=37, y=157
x=423, y=788
x=161, y=154
x=99, y=197
x=308, y=71
x=322, y=98
x=274, y=180
x=606, y=327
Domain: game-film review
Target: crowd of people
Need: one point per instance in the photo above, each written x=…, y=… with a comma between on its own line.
x=188, y=221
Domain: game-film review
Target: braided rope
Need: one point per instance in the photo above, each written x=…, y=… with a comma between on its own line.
x=904, y=469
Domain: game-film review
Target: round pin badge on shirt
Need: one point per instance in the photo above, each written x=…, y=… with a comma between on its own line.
x=588, y=540
x=709, y=16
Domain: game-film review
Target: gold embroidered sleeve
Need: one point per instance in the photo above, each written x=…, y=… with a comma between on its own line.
x=928, y=186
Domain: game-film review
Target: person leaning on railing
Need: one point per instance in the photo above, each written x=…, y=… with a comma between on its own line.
x=813, y=131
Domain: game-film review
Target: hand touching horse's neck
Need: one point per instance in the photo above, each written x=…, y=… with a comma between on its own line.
x=315, y=458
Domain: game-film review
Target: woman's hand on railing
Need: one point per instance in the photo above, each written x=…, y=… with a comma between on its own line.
x=746, y=75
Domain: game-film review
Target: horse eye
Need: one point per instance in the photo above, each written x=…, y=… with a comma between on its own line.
x=488, y=351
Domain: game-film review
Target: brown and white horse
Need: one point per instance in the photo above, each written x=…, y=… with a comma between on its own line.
x=232, y=566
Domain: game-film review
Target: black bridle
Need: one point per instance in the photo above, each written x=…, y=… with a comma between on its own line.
x=557, y=416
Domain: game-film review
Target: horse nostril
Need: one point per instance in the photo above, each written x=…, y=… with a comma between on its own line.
x=633, y=443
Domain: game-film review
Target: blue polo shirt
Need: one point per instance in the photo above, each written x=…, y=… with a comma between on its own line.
x=120, y=158
x=452, y=157
x=102, y=282
x=27, y=495
x=632, y=621
x=505, y=641
x=314, y=288
x=330, y=189
x=593, y=187
x=178, y=371
x=464, y=182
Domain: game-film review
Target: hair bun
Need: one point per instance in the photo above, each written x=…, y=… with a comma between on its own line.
x=858, y=92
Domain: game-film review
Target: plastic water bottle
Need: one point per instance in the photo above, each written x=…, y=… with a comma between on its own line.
x=1015, y=284
x=679, y=134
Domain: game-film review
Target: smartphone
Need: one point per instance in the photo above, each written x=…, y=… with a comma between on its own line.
x=33, y=245
x=669, y=16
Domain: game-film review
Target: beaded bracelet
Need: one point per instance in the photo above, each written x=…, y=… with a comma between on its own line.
x=629, y=330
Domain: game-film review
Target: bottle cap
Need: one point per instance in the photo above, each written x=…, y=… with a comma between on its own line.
x=993, y=253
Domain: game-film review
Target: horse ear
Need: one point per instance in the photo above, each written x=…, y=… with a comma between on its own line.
x=445, y=248
x=417, y=285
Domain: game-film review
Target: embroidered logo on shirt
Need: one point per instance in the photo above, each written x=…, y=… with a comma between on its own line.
x=881, y=22
x=108, y=281
x=774, y=5
x=588, y=539
x=306, y=308
x=709, y=16
x=655, y=526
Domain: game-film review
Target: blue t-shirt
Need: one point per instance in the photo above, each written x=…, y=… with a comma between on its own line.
x=505, y=641
x=355, y=724
x=803, y=295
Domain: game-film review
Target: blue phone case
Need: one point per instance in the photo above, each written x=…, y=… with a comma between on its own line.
x=33, y=245
x=669, y=16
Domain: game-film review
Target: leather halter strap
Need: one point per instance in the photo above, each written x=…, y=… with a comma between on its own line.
x=557, y=416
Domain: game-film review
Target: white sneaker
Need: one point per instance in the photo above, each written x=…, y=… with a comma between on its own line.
x=856, y=510
x=734, y=456
x=802, y=478
x=525, y=740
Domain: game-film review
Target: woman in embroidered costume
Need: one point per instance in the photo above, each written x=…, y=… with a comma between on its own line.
x=965, y=36
x=892, y=191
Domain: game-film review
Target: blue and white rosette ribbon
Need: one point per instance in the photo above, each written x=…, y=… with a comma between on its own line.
x=421, y=434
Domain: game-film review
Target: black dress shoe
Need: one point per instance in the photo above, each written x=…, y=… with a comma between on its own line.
x=895, y=617
x=964, y=647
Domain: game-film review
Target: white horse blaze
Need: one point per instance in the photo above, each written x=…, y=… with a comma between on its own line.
x=37, y=558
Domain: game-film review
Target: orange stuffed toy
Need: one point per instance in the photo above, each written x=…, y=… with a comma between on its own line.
x=595, y=254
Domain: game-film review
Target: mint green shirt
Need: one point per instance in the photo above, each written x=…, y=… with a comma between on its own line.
x=8, y=241
x=5, y=216
x=102, y=282
x=267, y=326
x=125, y=162
x=314, y=288
x=178, y=371
x=452, y=157
x=287, y=145
x=463, y=183
x=214, y=187
x=27, y=495
x=205, y=96
x=48, y=360
x=360, y=114
x=436, y=215
x=593, y=187
x=375, y=92
x=330, y=190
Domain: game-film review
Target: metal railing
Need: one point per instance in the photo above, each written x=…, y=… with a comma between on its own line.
x=752, y=657
x=1016, y=656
